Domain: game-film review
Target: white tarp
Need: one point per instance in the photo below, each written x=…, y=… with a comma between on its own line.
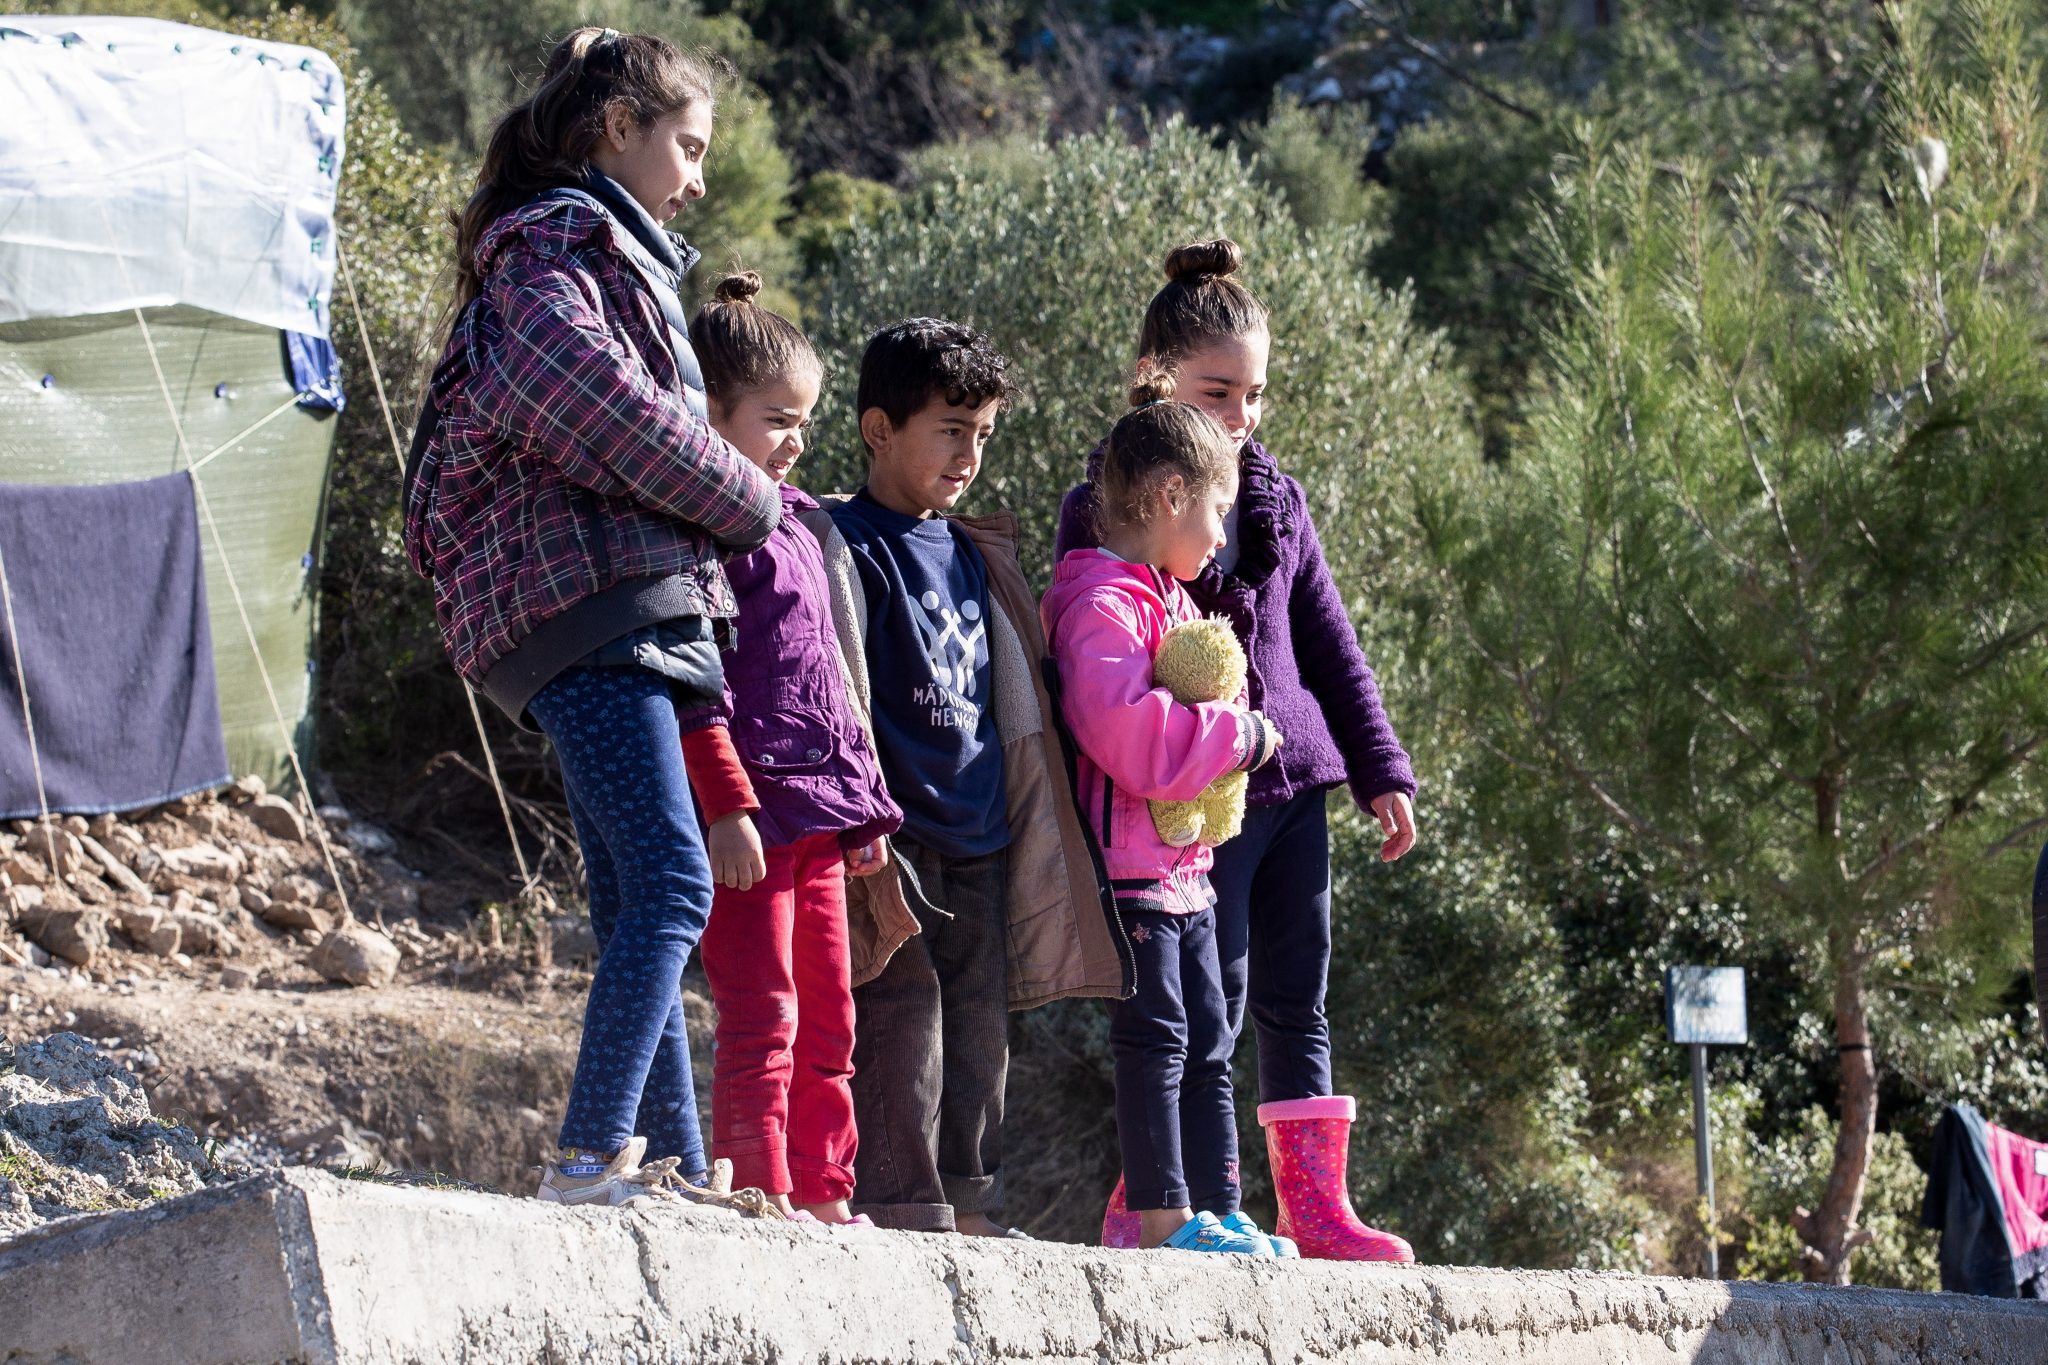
x=145, y=163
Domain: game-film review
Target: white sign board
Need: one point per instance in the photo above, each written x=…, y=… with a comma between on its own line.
x=1706, y=1005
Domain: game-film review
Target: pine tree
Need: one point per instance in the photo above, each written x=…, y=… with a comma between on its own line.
x=1763, y=587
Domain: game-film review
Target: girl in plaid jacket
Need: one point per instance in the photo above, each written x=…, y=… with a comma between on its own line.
x=569, y=504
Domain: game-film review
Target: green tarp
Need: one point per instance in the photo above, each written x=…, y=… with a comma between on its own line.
x=80, y=404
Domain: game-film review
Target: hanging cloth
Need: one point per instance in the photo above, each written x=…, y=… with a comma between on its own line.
x=109, y=596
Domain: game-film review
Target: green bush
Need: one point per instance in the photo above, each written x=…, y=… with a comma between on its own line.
x=481, y=59
x=1318, y=167
x=1450, y=1021
x=1788, y=1174
x=1054, y=252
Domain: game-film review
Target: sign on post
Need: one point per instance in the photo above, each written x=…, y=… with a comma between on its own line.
x=1702, y=1006
x=1706, y=1005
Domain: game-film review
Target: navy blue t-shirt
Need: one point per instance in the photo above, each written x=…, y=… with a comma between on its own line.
x=929, y=675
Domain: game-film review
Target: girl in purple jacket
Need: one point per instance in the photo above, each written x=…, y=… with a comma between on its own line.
x=775, y=951
x=1308, y=674
x=1167, y=482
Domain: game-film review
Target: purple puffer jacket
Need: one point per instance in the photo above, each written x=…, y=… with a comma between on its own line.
x=792, y=724
x=1307, y=672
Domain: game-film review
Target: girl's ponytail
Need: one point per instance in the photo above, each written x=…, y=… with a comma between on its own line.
x=1157, y=439
x=1200, y=303
x=544, y=141
x=742, y=346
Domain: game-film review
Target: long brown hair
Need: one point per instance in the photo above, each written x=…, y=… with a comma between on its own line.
x=544, y=141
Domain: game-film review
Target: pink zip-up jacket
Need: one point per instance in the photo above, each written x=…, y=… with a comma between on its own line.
x=1104, y=619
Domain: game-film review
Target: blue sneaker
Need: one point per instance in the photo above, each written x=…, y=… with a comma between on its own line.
x=1283, y=1247
x=1204, y=1233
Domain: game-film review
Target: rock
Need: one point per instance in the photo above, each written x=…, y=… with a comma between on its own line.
x=237, y=978
x=575, y=940
x=103, y=825
x=368, y=840
x=297, y=915
x=90, y=888
x=204, y=861
x=295, y=887
x=74, y=824
x=208, y=820
x=277, y=817
x=22, y=869
x=151, y=926
x=115, y=871
x=357, y=955
x=334, y=816
x=20, y=899
x=246, y=789
x=141, y=859
x=396, y=891
x=77, y=1125
x=254, y=901
x=200, y=933
x=78, y=935
x=70, y=854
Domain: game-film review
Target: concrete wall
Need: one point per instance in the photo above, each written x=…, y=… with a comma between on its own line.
x=302, y=1266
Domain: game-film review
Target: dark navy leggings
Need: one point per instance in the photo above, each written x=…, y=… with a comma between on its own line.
x=616, y=736
x=1175, y=1119
x=1272, y=886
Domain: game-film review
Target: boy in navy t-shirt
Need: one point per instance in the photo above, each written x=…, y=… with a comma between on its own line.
x=931, y=1030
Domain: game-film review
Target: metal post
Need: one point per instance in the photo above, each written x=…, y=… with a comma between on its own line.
x=1703, y=1153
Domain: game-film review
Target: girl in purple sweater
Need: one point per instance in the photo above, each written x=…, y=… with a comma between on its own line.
x=807, y=810
x=1309, y=676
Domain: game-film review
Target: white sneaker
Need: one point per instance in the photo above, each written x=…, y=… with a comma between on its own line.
x=622, y=1181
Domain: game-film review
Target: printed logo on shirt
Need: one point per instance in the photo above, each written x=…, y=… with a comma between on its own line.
x=955, y=645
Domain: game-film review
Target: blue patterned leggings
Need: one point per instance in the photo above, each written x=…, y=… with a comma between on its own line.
x=615, y=734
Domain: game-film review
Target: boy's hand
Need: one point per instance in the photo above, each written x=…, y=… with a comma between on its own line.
x=735, y=848
x=867, y=860
x=1397, y=817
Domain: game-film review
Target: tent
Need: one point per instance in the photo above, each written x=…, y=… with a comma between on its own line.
x=167, y=243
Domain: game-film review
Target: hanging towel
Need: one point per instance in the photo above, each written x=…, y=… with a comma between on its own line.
x=1988, y=1194
x=109, y=597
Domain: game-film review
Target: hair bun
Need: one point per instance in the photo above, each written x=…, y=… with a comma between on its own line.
x=1188, y=264
x=1153, y=384
x=737, y=288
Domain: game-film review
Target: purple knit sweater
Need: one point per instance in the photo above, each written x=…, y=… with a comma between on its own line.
x=1307, y=672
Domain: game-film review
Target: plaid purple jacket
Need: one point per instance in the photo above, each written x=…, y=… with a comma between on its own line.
x=566, y=461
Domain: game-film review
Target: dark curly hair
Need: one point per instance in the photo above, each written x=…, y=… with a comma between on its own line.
x=910, y=363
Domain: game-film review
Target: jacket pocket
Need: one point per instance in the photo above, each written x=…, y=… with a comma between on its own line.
x=1107, y=815
x=787, y=743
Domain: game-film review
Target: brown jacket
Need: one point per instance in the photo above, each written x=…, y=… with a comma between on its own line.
x=1065, y=938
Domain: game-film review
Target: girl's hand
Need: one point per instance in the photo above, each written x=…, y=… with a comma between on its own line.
x=867, y=860
x=735, y=848
x=1397, y=817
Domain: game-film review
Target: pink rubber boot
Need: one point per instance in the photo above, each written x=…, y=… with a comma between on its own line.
x=1307, y=1142
x=1120, y=1227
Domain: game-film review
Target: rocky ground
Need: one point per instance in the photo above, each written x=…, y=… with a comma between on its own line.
x=185, y=992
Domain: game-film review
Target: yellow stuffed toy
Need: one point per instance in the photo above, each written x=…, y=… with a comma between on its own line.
x=1202, y=661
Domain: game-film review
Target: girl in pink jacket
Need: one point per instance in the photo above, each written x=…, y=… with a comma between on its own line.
x=1169, y=477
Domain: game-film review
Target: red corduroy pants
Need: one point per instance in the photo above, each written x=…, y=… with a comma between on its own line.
x=776, y=959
